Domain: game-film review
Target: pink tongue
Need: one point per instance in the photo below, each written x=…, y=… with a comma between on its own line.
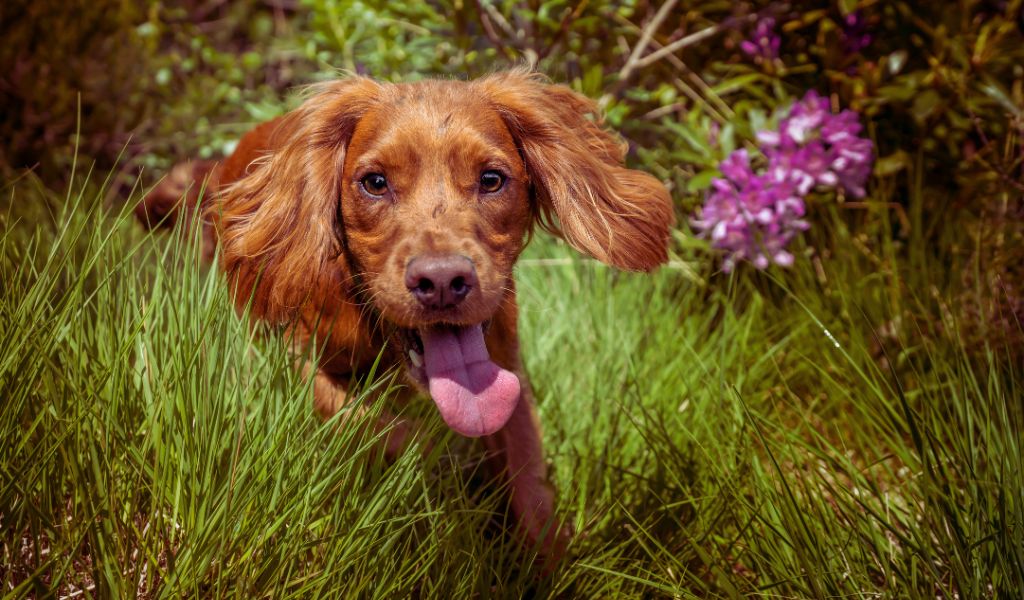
x=475, y=396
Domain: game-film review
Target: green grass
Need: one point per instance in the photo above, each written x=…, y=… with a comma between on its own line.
x=787, y=435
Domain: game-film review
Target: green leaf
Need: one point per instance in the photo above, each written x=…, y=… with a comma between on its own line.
x=742, y=81
x=925, y=105
x=701, y=181
x=892, y=164
x=994, y=90
x=896, y=61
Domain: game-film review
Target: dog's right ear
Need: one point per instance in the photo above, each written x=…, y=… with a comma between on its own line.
x=582, y=190
x=279, y=225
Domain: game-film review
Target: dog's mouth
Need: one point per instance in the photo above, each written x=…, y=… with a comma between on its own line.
x=474, y=395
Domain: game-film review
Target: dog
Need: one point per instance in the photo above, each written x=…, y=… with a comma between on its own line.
x=385, y=219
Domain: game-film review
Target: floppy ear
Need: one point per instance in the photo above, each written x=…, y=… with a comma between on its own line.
x=617, y=215
x=279, y=225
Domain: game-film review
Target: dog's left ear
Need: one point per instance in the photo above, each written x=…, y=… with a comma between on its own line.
x=619, y=216
x=279, y=225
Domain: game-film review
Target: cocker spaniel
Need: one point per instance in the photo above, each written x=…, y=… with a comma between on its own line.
x=385, y=219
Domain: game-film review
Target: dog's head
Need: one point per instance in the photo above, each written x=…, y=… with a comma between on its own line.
x=416, y=199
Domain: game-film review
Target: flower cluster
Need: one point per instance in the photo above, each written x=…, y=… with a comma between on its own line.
x=753, y=216
x=816, y=147
x=763, y=43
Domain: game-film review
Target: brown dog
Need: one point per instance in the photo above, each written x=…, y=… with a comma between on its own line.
x=387, y=218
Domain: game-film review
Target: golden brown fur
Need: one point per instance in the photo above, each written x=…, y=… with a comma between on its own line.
x=303, y=243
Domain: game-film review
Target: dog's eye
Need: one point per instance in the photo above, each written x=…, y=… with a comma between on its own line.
x=375, y=184
x=491, y=181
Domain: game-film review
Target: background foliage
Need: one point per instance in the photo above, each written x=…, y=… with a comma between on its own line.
x=940, y=87
x=848, y=426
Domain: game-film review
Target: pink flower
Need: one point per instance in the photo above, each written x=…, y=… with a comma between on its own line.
x=819, y=148
x=753, y=216
x=763, y=43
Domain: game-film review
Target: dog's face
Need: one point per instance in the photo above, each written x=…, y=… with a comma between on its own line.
x=435, y=207
x=414, y=201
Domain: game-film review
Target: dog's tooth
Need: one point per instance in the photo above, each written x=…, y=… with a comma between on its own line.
x=414, y=356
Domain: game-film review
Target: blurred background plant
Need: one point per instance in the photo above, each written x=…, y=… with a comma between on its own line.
x=940, y=88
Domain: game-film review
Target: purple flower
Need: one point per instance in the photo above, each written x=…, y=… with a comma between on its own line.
x=816, y=147
x=751, y=217
x=854, y=33
x=850, y=155
x=763, y=43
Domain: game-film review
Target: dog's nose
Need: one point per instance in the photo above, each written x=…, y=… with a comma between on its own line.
x=440, y=281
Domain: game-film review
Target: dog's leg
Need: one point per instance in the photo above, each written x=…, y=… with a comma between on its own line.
x=517, y=448
x=329, y=398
